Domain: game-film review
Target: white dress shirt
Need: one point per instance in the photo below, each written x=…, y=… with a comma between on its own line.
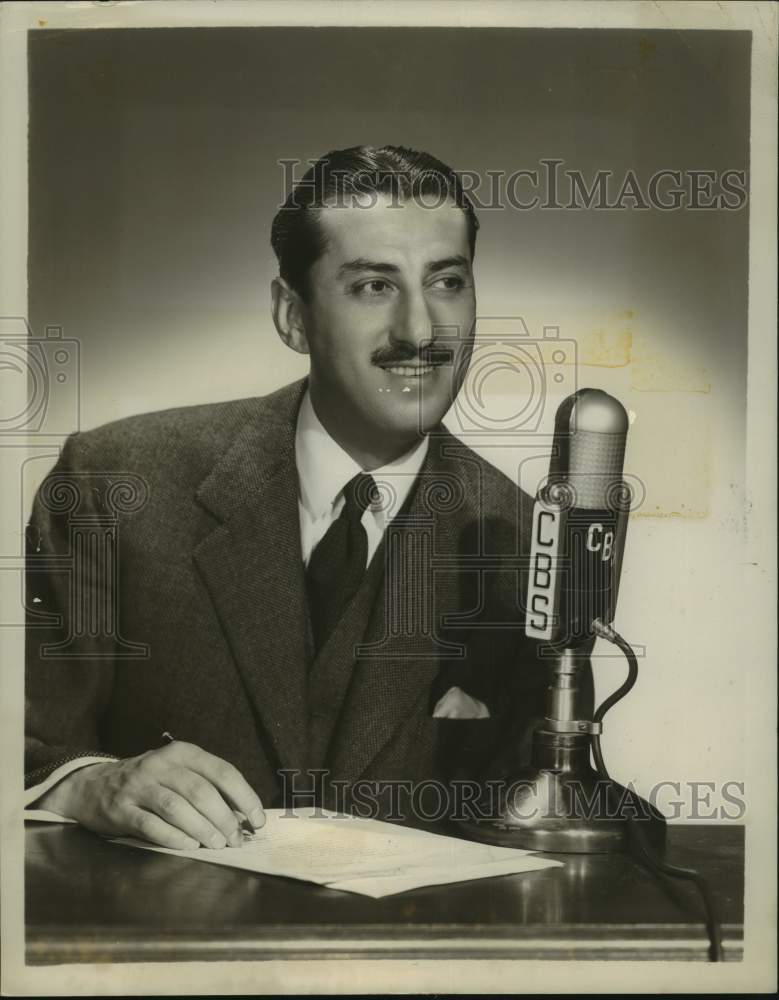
x=324, y=468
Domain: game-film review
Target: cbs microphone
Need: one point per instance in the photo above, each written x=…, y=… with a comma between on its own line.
x=579, y=522
x=555, y=802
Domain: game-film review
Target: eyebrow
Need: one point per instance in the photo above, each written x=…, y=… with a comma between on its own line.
x=360, y=264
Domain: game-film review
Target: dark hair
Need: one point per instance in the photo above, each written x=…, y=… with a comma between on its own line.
x=297, y=238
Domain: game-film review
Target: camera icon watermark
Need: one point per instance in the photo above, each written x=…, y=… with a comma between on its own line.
x=40, y=386
x=511, y=378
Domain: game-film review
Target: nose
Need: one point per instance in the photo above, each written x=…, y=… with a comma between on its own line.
x=413, y=323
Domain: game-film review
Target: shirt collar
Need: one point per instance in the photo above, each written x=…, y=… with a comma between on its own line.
x=324, y=468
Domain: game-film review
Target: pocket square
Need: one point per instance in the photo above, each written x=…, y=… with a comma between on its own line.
x=458, y=704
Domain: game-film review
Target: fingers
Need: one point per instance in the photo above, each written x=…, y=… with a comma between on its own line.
x=227, y=779
x=157, y=831
x=190, y=802
x=177, y=796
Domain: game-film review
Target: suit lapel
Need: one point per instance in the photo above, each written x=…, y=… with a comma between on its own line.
x=252, y=567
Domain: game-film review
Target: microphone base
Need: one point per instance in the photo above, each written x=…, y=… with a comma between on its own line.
x=561, y=805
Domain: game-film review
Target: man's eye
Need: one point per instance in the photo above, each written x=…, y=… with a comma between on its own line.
x=449, y=283
x=376, y=286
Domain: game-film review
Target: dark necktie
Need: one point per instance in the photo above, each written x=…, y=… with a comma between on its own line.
x=337, y=564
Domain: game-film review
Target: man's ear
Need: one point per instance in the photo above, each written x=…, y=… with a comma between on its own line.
x=288, y=316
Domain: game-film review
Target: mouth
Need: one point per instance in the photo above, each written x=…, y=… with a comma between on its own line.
x=409, y=371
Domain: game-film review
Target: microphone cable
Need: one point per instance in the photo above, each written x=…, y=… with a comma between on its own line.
x=656, y=863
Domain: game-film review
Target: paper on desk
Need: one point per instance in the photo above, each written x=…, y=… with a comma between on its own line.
x=376, y=887
x=359, y=855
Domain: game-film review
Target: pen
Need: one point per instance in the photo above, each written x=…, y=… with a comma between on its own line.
x=243, y=822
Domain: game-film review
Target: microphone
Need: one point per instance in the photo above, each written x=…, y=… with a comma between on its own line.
x=558, y=801
x=579, y=523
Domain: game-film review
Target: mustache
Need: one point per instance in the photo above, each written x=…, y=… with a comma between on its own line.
x=403, y=353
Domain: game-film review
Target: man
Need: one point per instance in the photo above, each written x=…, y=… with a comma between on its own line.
x=323, y=578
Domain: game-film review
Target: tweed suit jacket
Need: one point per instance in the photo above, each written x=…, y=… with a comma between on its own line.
x=205, y=631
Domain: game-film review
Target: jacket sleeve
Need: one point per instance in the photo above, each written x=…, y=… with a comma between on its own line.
x=69, y=660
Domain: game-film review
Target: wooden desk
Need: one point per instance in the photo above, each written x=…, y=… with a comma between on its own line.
x=92, y=901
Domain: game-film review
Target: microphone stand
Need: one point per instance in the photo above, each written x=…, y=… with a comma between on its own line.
x=559, y=803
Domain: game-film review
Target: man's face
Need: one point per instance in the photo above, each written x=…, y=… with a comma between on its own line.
x=390, y=281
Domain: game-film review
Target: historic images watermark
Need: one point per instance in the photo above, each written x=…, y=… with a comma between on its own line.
x=550, y=185
x=465, y=800
x=40, y=405
x=41, y=380
x=73, y=535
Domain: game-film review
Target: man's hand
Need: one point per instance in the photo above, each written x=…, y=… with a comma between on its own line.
x=457, y=704
x=178, y=796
